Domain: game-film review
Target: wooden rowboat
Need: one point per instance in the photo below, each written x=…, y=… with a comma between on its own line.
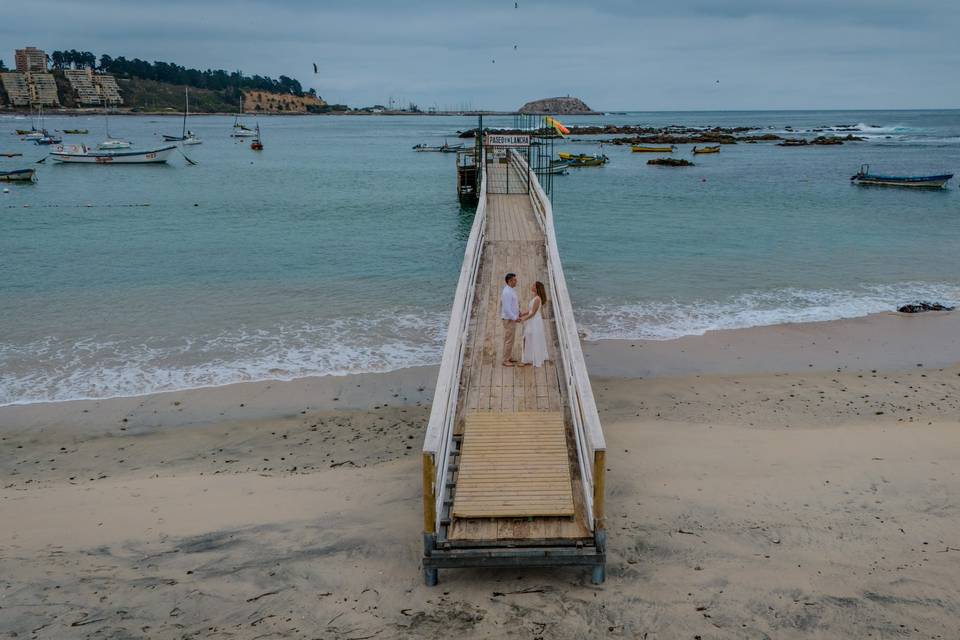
x=76, y=132
x=17, y=175
x=713, y=149
x=642, y=149
x=864, y=177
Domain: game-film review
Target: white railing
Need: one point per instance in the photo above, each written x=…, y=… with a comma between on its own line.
x=591, y=445
x=439, y=435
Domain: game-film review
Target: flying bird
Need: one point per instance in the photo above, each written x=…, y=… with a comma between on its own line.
x=315, y=67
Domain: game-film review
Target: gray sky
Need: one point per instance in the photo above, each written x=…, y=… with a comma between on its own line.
x=615, y=54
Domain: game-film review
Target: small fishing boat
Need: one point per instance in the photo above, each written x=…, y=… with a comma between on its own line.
x=76, y=132
x=584, y=160
x=10, y=154
x=186, y=136
x=82, y=154
x=257, y=144
x=443, y=148
x=49, y=140
x=24, y=132
x=701, y=150
x=17, y=175
x=864, y=177
x=642, y=149
x=36, y=135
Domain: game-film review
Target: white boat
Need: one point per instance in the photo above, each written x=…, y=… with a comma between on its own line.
x=112, y=144
x=82, y=154
x=36, y=134
x=241, y=130
x=186, y=136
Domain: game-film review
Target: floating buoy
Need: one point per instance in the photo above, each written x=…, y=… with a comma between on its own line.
x=6, y=190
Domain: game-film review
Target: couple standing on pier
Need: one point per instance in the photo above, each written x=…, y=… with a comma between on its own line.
x=534, y=336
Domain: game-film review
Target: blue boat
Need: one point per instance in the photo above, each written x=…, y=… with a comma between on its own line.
x=925, y=182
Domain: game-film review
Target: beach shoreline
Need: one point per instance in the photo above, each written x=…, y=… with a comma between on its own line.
x=878, y=341
x=747, y=502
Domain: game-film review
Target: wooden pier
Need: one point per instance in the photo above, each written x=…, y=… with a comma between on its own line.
x=513, y=458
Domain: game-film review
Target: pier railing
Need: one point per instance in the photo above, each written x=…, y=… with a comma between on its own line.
x=439, y=436
x=591, y=445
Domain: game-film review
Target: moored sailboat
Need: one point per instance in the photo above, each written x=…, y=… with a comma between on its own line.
x=111, y=143
x=186, y=136
x=241, y=130
x=257, y=143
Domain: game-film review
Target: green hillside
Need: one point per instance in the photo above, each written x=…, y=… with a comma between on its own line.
x=160, y=97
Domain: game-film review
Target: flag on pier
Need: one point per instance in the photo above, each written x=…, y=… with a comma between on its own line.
x=556, y=124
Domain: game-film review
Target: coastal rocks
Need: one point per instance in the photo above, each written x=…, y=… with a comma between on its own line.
x=920, y=307
x=820, y=141
x=671, y=162
x=558, y=106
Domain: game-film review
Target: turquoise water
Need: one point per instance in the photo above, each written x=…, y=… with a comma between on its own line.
x=336, y=249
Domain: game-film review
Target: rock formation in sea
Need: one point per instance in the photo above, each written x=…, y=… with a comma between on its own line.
x=558, y=106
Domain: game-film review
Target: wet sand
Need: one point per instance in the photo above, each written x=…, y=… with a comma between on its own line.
x=750, y=495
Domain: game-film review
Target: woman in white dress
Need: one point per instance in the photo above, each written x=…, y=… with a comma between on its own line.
x=534, y=335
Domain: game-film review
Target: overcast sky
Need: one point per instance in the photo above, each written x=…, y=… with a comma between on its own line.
x=615, y=54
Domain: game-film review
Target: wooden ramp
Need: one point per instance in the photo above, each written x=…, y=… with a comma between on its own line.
x=514, y=465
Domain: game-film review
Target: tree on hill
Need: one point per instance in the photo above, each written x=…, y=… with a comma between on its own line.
x=3, y=67
x=214, y=79
x=73, y=58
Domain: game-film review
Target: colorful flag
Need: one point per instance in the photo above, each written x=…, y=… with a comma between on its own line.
x=556, y=124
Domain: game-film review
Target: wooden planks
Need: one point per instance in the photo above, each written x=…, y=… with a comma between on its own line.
x=514, y=465
x=514, y=241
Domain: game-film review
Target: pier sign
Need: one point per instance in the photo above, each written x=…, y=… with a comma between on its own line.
x=501, y=140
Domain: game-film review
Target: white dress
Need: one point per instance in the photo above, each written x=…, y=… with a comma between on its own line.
x=534, y=338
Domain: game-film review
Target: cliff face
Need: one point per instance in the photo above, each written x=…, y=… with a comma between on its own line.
x=266, y=102
x=558, y=106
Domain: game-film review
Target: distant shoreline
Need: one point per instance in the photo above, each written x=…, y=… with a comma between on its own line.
x=98, y=112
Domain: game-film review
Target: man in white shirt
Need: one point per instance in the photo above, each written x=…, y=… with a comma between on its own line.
x=510, y=315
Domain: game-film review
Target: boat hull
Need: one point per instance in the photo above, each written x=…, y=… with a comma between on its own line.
x=20, y=175
x=641, y=149
x=703, y=150
x=150, y=156
x=922, y=182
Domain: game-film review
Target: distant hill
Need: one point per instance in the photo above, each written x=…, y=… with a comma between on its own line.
x=269, y=102
x=559, y=106
x=150, y=95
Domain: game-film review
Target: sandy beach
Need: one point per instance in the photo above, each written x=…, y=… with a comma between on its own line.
x=775, y=482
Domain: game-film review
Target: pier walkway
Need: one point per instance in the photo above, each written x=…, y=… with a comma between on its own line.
x=513, y=459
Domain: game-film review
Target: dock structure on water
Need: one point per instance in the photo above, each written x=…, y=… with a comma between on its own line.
x=513, y=457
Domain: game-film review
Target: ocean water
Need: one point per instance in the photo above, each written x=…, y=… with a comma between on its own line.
x=337, y=248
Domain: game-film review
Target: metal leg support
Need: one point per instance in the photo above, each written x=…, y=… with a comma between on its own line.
x=600, y=571
x=431, y=575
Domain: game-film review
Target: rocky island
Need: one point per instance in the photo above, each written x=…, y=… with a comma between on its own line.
x=565, y=106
